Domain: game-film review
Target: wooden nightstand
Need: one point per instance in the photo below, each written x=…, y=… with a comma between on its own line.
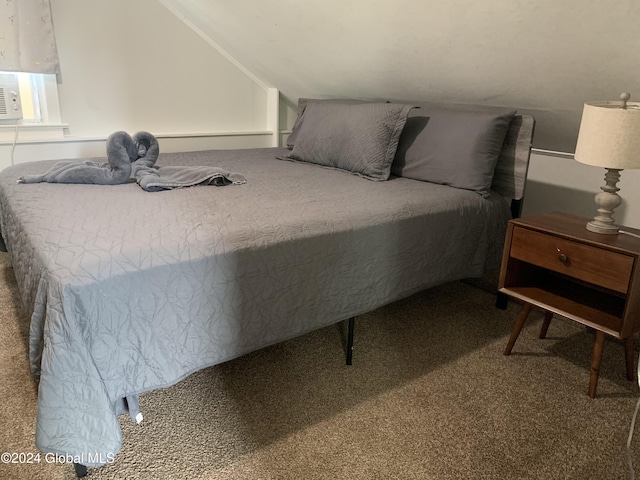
x=552, y=261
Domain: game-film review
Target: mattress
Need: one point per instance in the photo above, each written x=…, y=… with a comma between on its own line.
x=130, y=291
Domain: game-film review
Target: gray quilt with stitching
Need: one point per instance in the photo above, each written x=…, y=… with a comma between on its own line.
x=129, y=292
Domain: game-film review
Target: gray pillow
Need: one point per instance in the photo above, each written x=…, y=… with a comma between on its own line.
x=361, y=139
x=302, y=105
x=452, y=147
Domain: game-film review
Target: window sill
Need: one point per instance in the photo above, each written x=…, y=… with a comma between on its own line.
x=32, y=132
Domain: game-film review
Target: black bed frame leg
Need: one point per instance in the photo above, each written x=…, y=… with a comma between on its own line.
x=81, y=470
x=352, y=323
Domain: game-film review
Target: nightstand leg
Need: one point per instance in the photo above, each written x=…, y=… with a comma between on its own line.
x=545, y=324
x=522, y=317
x=628, y=355
x=596, y=357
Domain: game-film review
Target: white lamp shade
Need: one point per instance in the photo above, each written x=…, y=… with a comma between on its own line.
x=609, y=135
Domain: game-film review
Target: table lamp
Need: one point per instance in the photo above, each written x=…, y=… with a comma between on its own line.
x=609, y=137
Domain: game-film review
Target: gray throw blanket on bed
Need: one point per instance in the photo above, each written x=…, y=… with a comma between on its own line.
x=137, y=154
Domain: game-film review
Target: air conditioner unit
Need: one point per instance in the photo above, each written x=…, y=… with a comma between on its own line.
x=10, y=107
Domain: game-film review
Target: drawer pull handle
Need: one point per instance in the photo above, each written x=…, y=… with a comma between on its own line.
x=563, y=258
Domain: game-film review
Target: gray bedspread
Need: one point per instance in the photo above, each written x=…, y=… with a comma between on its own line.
x=129, y=292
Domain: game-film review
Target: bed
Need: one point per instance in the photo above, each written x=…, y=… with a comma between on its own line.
x=130, y=291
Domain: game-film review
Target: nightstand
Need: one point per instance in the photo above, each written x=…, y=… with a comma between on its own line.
x=553, y=262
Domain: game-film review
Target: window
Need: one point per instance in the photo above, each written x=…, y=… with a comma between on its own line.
x=29, y=96
x=39, y=97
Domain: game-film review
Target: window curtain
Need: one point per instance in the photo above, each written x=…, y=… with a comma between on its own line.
x=27, y=43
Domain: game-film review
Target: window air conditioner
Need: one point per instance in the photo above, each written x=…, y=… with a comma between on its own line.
x=10, y=107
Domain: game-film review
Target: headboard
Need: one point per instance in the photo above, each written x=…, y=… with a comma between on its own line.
x=510, y=174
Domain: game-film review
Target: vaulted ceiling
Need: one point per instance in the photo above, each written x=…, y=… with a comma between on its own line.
x=544, y=58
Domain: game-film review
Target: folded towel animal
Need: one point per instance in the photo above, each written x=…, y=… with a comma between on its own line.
x=137, y=155
x=122, y=150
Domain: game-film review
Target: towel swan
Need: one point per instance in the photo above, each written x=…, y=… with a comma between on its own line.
x=123, y=150
x=137, y=155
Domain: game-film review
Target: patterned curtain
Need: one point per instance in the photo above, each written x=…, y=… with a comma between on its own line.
x=27, y=43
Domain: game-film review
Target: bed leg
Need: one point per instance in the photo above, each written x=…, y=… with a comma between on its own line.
x=352, y=323
x=81, y=470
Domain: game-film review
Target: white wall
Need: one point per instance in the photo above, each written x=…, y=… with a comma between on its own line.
x=133, y=65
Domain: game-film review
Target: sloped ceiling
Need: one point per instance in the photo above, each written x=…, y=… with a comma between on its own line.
x=544, y=58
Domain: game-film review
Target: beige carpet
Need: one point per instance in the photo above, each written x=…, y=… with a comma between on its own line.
x=430, y=396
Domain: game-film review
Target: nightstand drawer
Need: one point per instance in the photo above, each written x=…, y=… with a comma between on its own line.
x=578, y=260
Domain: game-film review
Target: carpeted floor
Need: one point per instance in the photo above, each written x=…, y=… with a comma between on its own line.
x=430, y=396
